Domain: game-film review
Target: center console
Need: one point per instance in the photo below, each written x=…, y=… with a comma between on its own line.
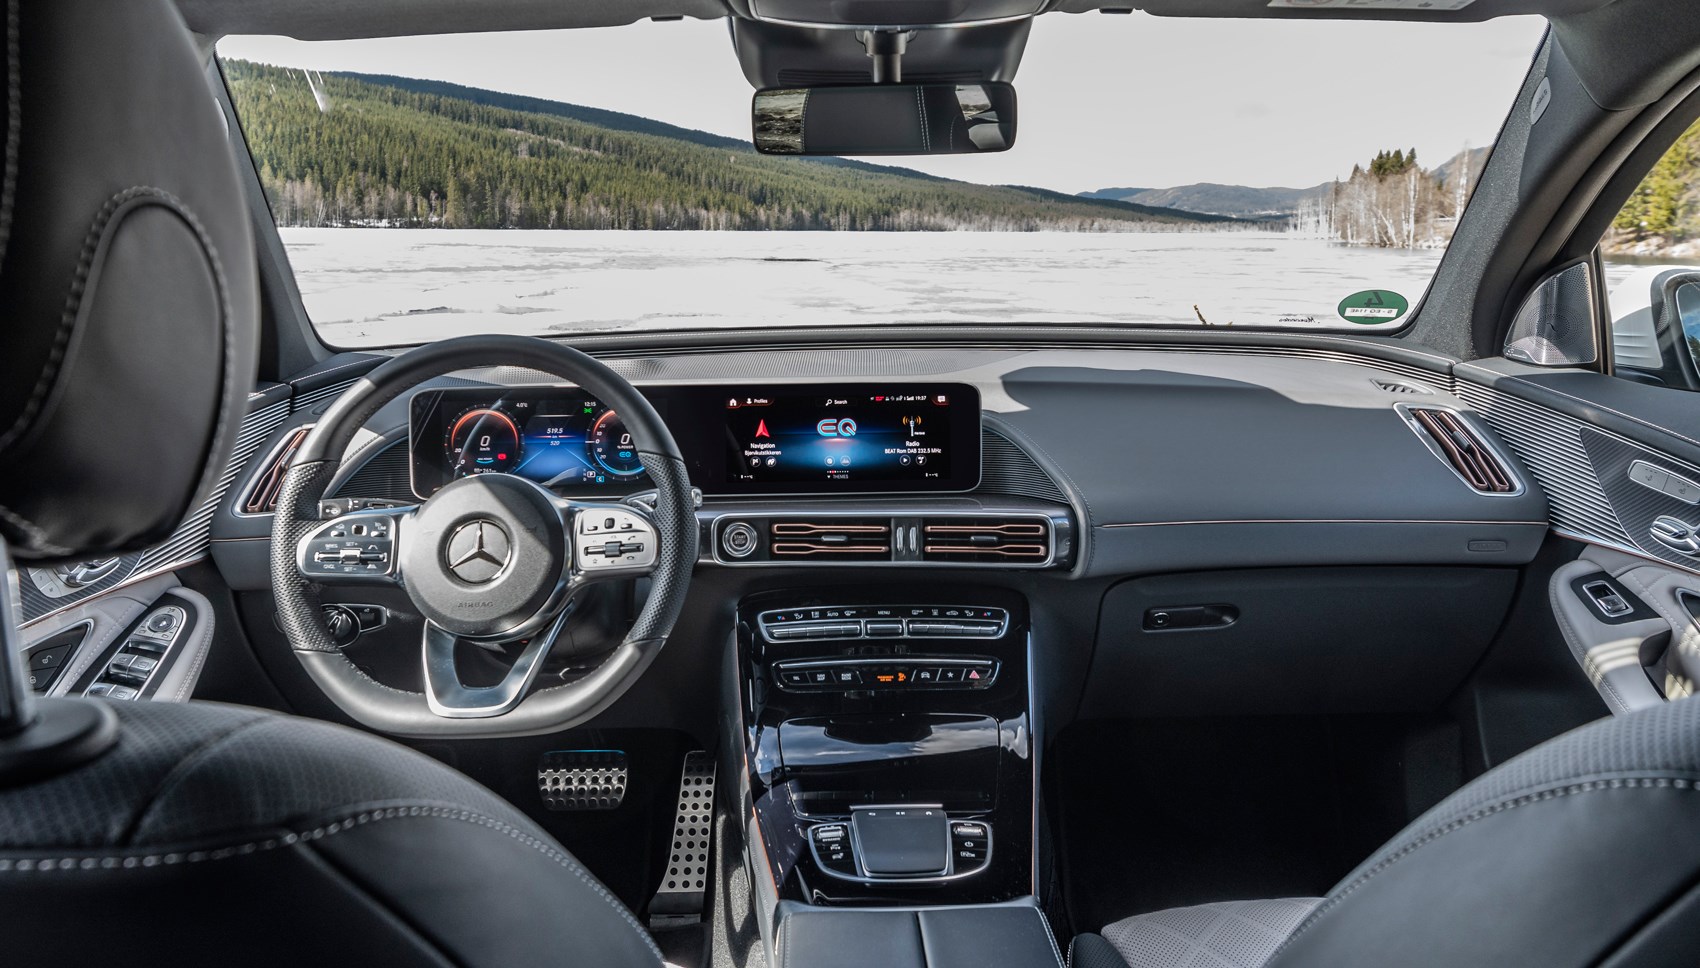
x=890, y=745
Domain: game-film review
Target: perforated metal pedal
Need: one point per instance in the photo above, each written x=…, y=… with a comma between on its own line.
x=679, y=899
x=582, y=779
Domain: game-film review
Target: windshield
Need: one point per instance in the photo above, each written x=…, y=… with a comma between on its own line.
x=1303, y=175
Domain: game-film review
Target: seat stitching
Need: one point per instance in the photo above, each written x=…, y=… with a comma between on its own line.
x=132, y=861
x=1504, y=806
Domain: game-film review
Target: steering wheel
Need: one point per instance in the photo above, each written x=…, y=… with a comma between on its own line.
x=491, y=558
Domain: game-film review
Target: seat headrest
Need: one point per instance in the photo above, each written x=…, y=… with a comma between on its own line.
x=128, y=300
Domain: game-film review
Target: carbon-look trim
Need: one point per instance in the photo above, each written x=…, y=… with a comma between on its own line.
x=185, y=545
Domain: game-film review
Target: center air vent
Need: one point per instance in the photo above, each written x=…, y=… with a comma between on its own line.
x=986, y=540
x=830, y=539
x=262, y=494
x=1463, y=447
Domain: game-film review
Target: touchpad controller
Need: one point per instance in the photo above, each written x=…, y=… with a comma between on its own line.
x=902, y=841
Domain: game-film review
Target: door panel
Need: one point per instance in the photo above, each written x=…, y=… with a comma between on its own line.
x=1620, y=463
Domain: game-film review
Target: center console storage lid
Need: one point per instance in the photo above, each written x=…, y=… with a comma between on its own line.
x=1013, y=934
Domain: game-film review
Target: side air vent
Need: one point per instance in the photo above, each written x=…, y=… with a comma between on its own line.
x=1007, y=541
x=262, y=494
x=831, y=539
x=1463, y=448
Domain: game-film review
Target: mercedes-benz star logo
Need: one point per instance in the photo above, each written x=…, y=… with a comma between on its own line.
x=477, y=551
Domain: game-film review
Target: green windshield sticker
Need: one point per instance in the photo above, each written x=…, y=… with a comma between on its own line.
x=1373, y=306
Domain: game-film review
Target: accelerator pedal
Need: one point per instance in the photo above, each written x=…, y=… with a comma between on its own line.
x=679, y=900
x=582, y=779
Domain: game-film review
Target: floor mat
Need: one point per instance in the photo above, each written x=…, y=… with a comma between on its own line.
x=1157, y=814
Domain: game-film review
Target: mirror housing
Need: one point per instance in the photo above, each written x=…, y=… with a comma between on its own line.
x=885, y=119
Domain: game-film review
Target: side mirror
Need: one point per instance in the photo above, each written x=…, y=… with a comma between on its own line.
x=1559, y=321
x=1655, y=328
x=885, y=119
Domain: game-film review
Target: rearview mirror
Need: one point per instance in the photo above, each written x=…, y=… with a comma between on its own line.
x=885, y=119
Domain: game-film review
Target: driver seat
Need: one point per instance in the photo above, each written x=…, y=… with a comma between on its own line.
x=196, y=834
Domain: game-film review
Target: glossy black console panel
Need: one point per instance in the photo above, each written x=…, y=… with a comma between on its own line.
x=852, y=740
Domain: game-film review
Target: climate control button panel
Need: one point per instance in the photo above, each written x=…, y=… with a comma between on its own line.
x=883, y=673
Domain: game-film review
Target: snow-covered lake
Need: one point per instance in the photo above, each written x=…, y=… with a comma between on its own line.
x=374, y=287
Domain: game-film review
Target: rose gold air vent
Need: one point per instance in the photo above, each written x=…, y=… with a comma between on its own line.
x=830, y=540
x=1459, y=443
x=262, y=494
x=986, y=541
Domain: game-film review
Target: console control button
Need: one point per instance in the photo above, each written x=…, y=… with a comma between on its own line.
x=970, y=846
x=950, y=675
x=832, y=848
x=879, y=628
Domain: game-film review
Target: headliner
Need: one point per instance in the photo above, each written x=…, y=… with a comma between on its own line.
x=341, y=19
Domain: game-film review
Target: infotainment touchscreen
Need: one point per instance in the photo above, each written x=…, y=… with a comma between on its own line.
x=846, y=436
x=823, y=438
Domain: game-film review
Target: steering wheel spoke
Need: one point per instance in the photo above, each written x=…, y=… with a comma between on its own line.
x=357, y=548
x=610, y=541
x=450, y=698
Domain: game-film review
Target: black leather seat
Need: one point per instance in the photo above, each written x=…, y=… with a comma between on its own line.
x=196, y=834
x=1584, y=851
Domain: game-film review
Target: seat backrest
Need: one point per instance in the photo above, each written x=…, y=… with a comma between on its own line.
x=1583, y=851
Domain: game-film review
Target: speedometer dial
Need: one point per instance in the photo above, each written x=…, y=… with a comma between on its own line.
x=612, y=446
x=483, y=441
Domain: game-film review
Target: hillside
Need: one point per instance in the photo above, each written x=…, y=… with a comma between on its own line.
x=399, y=152
x=1240, y=201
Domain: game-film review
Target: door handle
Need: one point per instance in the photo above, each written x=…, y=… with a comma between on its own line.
x=1676, y=534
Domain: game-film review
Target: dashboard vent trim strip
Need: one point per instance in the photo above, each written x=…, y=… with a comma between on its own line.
x=1550, y=445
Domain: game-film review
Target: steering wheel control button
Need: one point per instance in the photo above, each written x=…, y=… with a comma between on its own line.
x=358, y=545
x=478, y=551
x=612, y=542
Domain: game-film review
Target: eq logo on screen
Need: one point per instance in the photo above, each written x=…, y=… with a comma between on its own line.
x=832, y=427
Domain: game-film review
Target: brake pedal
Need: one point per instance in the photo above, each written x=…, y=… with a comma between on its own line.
x=582, y=779
x=679, y=899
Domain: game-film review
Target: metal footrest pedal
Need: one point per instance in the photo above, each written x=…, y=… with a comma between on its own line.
x=582, y=779
x=684, y=885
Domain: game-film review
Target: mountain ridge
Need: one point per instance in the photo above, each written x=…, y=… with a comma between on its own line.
x=392, y=151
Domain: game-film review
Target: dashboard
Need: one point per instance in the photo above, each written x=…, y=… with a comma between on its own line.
x=851, y=438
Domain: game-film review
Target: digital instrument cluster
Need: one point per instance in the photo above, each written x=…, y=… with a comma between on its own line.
x=562, y=439
x=795, y=439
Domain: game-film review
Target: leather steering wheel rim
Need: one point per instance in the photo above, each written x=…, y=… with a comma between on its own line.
x=403, y=713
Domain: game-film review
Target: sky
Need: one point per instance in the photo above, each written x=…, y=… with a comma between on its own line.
x=1105, y=101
